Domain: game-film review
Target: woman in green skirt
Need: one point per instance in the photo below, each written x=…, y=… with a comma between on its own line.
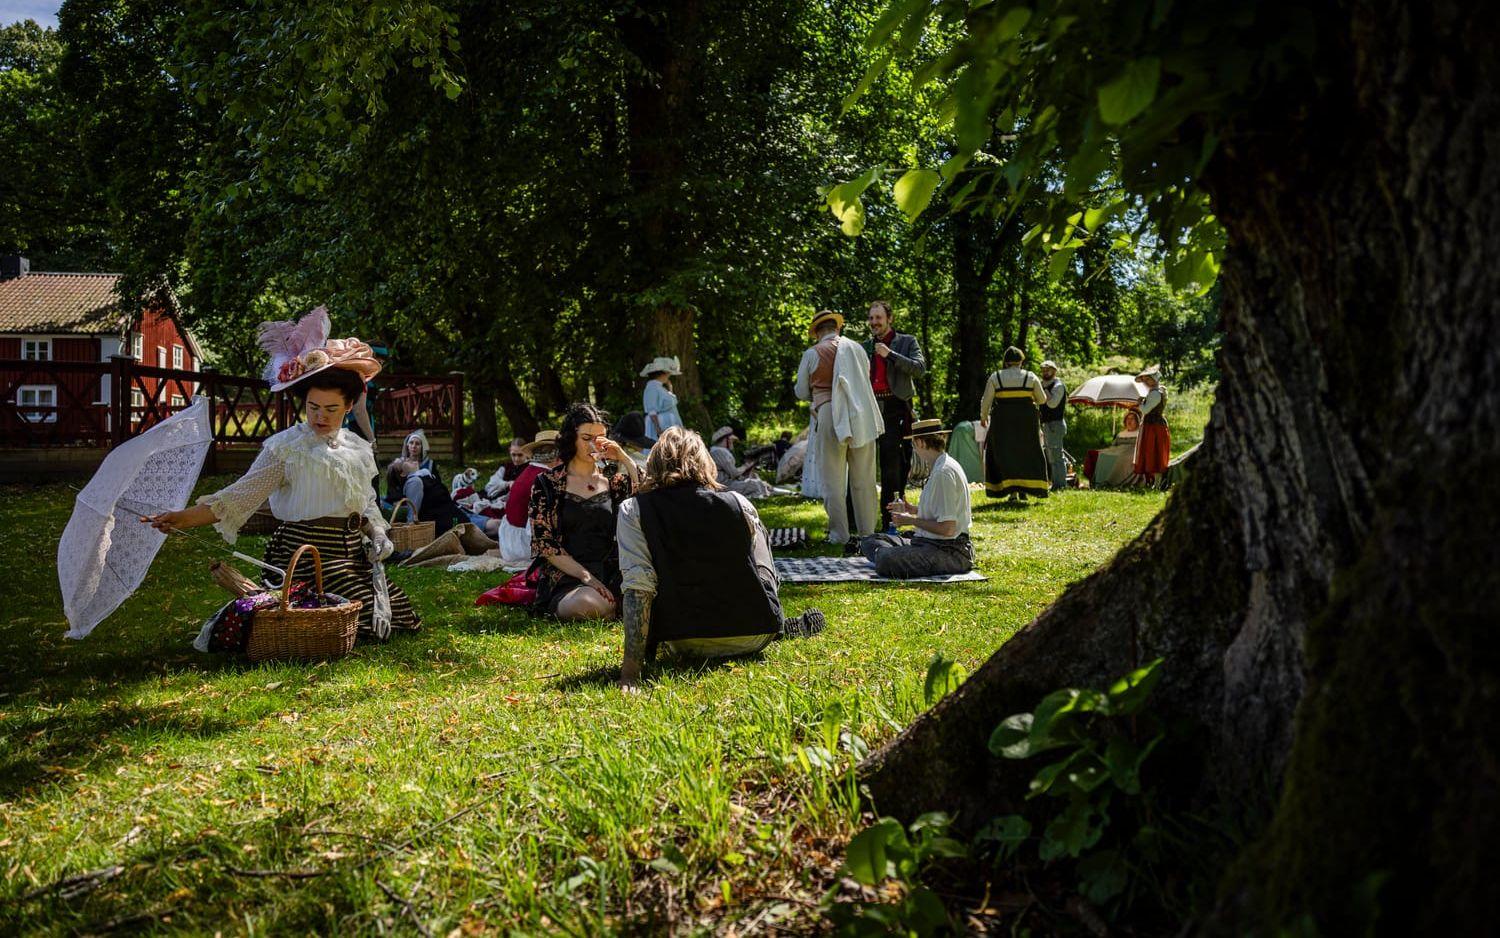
x=1014, y=464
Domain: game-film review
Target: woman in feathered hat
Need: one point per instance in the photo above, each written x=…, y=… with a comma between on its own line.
x=316, y=474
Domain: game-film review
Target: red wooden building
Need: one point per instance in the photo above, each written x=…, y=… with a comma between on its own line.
x=78, y=317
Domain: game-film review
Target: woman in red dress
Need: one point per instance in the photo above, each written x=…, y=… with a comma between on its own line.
x=1153, y=448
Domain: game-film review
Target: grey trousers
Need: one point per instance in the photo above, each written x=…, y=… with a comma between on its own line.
x=1052, y=442
x=901, y=558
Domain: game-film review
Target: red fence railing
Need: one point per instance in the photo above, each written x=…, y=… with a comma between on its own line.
x=51, y=403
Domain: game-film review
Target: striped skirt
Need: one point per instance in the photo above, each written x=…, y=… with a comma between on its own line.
x=346, y=568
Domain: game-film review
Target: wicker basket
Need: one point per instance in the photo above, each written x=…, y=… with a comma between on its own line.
x=414, y=534
x=285, y=632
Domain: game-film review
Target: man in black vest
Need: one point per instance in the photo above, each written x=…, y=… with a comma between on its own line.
x=1054, y=424
x=896, y=362
x=695, y=564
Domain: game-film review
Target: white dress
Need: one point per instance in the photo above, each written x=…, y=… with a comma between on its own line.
x=661, y=404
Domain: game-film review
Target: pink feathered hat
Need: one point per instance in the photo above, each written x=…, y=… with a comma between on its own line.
x=302, y=348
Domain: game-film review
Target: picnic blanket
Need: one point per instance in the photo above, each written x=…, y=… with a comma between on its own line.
x=853, y=570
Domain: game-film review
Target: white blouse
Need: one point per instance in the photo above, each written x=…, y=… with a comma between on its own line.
x=305, y=477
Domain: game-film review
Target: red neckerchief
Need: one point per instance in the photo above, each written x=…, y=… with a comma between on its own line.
x=879, y=382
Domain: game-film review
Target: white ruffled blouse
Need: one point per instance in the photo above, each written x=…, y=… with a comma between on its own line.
x=305, y=477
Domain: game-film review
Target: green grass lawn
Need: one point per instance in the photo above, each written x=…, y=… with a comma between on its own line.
x=483, y=775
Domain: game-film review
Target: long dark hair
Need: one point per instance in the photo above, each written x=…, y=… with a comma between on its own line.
x=578, y=415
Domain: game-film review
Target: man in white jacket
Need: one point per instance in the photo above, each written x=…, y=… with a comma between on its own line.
x=834, y=377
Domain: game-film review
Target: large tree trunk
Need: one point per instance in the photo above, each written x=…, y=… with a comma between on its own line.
x=486, y=434
x=1320, y=584
x=517, y=413
x=661, y=109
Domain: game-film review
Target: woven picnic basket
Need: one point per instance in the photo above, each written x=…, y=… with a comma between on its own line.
x=413, y=534
x=286, y=632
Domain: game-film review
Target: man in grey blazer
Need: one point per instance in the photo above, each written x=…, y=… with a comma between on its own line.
x=896, y=362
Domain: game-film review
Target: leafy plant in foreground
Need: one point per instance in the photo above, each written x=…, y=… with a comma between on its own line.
x=1104, y=816
x=887, y=851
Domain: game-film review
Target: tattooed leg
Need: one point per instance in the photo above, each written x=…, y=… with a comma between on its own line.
x=636, y=613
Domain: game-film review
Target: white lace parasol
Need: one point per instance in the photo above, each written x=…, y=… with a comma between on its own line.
x=105, y=550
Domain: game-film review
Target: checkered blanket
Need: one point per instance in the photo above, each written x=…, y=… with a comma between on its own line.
x=853, y=570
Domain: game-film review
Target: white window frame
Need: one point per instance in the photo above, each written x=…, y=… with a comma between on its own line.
x=161, y=357
x=37, y=389
x=36, y=350
x=137, y=399
x=178, y=401
x=177, y=357
x=137, y=346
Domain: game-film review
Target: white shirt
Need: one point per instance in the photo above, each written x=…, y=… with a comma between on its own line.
x=1010, y=379
x=1152, y=401
x=945, y=497
x=304, y=476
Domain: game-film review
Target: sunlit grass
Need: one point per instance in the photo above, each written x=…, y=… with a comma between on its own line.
x=486, y=770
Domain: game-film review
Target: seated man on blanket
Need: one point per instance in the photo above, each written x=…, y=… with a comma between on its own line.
x=696, y=568
x=940, y=545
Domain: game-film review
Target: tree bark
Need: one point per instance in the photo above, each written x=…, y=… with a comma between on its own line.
x=486, y=434
x=1323, y=583
x=517, y=413
x=662, y=116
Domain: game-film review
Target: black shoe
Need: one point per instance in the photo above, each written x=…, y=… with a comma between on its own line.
x=807, y=625
x=851, y=549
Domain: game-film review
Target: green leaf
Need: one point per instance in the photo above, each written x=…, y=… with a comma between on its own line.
x=1042, y=782
x=1087, y=165
x=893, y=16
x=1011, y=24
x=1007, y=832
x=1127, y=694
x=853, y=220
x=1012, y=738
x=943, y=677
x=1131, y=92
x=876, y=69
x=913, y=191
x=953, y=166
x=1061, y=264
x=1072, y=831
x=1087, y=778
x=865, y=858
x=1102, y=876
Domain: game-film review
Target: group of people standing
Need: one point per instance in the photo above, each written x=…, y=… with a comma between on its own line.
x=863, y=426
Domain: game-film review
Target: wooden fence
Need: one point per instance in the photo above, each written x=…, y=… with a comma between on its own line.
x=78, y=425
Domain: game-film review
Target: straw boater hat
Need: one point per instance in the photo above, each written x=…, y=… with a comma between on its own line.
x=543, y=438
x=662, y=363
x=1012, y=354
x=932, y=427
x=821, y=317
x=302, y=348
x=1153, y=372
x=1049, y=363
x=719, y=434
